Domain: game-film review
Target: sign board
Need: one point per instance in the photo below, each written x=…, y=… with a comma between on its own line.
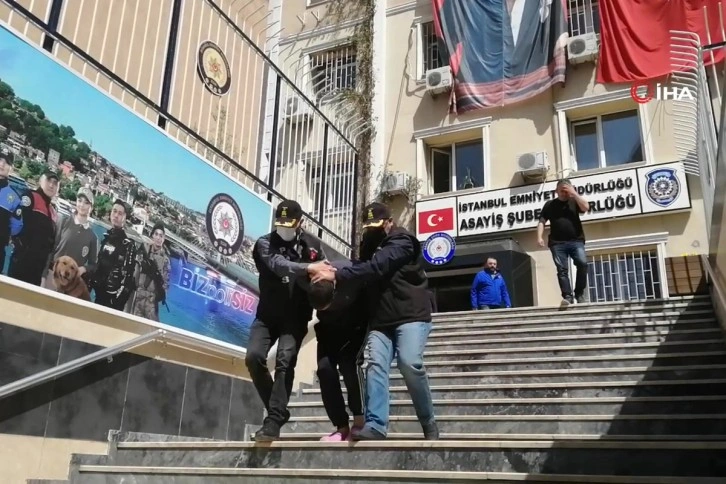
x=648, y=190
x=101, y=148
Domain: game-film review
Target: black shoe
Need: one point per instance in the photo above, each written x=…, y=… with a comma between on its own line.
x=583, y=299
x=269, y=432
x=367, y=433
x=566, y=301
x=430, y=431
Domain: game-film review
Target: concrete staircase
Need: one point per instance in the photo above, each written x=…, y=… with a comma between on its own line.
x=597, y=393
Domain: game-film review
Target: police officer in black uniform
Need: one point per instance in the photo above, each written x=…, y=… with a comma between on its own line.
x=11, y=215
x=34, y=244
x=283, y=311
x=113, y=280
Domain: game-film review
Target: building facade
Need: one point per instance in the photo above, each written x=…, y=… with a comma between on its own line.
x=485, y=174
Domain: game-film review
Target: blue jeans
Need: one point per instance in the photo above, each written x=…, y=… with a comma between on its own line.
x=408, y=340
x=561, y=251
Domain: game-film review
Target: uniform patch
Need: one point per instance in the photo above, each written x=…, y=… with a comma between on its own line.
x=11, y=198
x=19, y=212
x=84, y=252
x=25, y=201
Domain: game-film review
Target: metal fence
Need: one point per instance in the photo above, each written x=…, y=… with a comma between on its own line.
x=145, y=54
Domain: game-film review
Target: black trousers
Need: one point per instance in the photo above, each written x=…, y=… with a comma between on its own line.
x=275, y=394
x=110, y=301
x=338, y=349
x=28, y=266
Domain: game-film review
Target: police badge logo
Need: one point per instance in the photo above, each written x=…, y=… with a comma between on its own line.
x=84, y=251
x=662, y=186
x=25, y=201
x=225, y=225
x=439, y=249
x=213, y=68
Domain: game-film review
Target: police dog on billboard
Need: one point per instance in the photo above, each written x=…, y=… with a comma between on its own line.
x=68, y=280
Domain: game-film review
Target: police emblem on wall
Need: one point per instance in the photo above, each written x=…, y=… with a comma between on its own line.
x=439, y=249
x=662, y=186
x=225, y=225
x=213, y=68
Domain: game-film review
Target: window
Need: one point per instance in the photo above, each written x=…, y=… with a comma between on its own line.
x=584, y=17
x=432, y=57
x=624, y=276
x=337, y=195
x=333, y=70
x=606, y=141
x=457, y=167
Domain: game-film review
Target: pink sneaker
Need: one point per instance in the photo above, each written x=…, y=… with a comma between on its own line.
x=336, y=436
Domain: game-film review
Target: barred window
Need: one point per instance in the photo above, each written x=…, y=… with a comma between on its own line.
x=333, y=70
x=584, y=17
x=431, y=56
x=624, y=276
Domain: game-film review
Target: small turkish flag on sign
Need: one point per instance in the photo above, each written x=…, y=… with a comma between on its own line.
x=439, y=220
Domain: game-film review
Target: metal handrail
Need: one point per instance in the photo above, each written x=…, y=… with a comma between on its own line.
x=73, y=365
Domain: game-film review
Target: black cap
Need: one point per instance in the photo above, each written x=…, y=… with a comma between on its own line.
x=288, y=213
x=51, y=174
x=158, y=226
x=375, y=214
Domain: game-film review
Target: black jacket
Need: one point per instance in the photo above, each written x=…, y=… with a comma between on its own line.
x=396, y=284
x=116, y=265
x=37, y=238
x=280, y=264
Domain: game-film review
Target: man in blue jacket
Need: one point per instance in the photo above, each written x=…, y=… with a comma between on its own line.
x=489, y=291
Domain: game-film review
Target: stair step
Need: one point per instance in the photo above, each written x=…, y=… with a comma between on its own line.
x=681, y=458
x=656, y=359
x=536, y=321
x=575, y=328
x=603, y=338
x=555, y=405
x=293, y=436
x=616, y=425
x=251, y=475
x=713, y=344
x=553, y=389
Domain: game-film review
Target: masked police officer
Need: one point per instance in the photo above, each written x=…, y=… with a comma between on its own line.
x=11, y=220
x=283, y=312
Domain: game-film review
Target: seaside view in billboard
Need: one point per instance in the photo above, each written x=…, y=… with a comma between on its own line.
x=100, y=205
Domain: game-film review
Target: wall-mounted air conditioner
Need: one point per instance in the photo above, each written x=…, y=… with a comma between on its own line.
x=582, y=48
x=297, y=110
x=439, y=80
x=533, y=166
x=396, y=183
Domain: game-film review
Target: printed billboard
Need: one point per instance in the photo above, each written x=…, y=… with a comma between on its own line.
x=99, y=204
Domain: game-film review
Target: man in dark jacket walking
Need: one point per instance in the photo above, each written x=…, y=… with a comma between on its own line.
x=489, y=291
x=399, y=319
x=283, y=312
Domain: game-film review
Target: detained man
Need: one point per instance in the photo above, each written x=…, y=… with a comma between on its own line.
x=283, y=311
x=398, y=316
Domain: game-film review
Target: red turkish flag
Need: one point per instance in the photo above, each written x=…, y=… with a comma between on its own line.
x=439, y=220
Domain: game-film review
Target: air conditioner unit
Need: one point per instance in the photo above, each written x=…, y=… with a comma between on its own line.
x=396, y=183
x=533, y=166
x=582, y=48
x=297, y=110
x=439, y=80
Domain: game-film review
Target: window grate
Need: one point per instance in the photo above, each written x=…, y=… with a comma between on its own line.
x=432, y=57
x=584, y=17
x=333, y=70
x=624, y=276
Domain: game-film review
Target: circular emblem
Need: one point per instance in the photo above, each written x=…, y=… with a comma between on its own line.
x=18, y=212
x=213, y=68
x=662, y=186
x=25, y=201
x=84, y=251
x=439, y=249
x=225, y=225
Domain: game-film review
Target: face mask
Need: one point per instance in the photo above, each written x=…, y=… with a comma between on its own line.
x=286, y=233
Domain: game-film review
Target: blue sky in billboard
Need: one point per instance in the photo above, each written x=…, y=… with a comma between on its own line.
x=67, y=99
